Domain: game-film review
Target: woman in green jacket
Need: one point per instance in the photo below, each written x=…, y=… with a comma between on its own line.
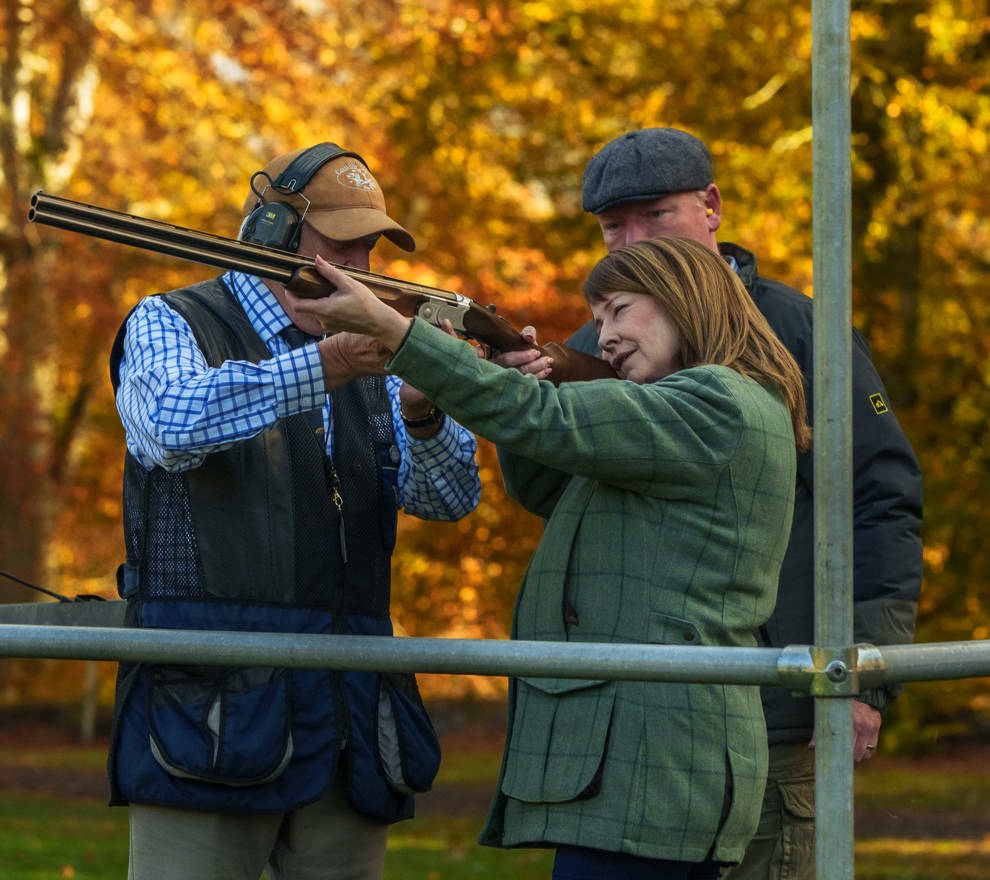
x=667, y=500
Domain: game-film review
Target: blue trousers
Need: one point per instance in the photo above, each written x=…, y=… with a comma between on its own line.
x=581, y=863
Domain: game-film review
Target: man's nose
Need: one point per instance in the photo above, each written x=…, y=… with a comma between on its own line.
x=636, y=230
x=353, y=254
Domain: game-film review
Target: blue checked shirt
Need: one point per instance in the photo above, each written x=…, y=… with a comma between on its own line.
x=176, y=409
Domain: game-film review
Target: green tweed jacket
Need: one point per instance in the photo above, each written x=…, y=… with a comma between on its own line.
x=668, y=508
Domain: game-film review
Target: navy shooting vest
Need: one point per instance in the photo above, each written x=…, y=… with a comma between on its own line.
x=251, y=541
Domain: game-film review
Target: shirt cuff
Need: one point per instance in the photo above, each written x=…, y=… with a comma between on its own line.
x=298, y=381
x=436, y=451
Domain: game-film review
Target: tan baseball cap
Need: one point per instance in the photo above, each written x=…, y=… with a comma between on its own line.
x=346, y=201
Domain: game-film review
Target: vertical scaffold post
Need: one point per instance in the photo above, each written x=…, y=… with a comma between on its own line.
x=833, y=430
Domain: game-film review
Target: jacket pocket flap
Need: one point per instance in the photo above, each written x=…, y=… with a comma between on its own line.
x=798, y=799
x=558, y=740
x=561, y=685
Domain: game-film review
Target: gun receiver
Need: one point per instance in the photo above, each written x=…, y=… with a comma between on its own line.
x=298, y=274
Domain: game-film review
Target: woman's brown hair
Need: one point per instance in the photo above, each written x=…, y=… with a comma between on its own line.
x=718, y=321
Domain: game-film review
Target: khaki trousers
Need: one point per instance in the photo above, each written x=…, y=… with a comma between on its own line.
x=784, y=845
x=326, y=840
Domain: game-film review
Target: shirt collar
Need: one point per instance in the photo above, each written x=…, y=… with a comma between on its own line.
x=263, y=310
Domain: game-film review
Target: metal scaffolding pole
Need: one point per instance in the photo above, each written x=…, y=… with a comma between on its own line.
x=832, y=675
x=459, y=656
x=96, y=631
x=834, y=831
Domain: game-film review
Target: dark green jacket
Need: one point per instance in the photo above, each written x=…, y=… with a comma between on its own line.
x=668, y=507
x=886, y=509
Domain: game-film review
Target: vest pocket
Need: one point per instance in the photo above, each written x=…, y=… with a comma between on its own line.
x=408, y=748
x=559, y=739
x=219, y=725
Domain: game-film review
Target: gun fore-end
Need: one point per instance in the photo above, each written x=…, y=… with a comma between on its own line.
x=309, y=284
x=571, y=365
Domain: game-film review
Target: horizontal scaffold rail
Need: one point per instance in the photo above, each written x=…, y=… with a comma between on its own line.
x=436, y=655
x=94, y=631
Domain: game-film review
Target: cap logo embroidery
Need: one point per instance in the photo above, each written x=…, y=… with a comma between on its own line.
x=356, y=176
x=879, y=404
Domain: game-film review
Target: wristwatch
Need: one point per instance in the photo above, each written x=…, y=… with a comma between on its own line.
x=433, y=417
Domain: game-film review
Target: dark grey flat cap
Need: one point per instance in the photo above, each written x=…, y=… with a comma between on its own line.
x=643, y=165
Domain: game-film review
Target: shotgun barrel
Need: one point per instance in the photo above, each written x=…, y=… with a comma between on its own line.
x=299, y=275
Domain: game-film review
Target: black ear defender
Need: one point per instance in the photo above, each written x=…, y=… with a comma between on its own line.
x=278, y=224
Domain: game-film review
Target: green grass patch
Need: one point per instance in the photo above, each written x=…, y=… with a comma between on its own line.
x=468, y=768
x=44, y=837
x=899, y=789
x=50, y=838
x=60, y=757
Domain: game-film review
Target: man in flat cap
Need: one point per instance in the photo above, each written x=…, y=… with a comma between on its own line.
x=659, y=182
x=265, y=465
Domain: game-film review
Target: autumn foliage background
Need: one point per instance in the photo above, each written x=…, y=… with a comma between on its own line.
x=477, y=118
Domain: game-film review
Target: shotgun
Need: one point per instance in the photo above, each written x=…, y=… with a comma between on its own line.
x=470, y=319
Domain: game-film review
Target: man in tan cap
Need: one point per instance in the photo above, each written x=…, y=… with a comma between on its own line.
x=329, y=188
x=265, y=466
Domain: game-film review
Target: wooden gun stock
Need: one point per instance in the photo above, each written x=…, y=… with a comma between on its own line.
x=298, y=274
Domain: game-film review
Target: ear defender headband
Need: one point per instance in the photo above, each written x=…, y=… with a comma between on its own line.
x=278, y=224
